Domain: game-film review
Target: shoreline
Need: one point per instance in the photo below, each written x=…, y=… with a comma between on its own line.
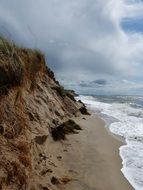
x=92, y=159
x=106, y=126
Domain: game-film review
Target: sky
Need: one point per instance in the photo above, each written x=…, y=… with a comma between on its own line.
x=93, y=46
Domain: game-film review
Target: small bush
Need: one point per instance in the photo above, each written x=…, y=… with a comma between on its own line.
x=71, y=94
x=84, y=111
x=70, y=126
x=60, y=91
x=81, y=102
x=63, y=92
x=60, y=131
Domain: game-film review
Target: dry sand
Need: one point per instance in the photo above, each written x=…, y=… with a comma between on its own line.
x=92, y=158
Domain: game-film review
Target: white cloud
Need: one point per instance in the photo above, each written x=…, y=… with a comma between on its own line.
x=83, y=39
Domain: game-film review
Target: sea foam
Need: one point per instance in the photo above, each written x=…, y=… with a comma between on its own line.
x=128, y=123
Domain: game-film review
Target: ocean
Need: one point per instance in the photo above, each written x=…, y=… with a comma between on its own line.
x=124, y=118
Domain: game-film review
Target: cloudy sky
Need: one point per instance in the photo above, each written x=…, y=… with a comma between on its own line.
x=94, y=46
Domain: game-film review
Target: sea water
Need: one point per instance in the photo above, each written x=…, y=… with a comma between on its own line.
x=125, y=115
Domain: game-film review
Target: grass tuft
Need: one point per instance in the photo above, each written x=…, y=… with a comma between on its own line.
x=25, y=160
x=6, y=47
x=18, y=64
x=64, y=92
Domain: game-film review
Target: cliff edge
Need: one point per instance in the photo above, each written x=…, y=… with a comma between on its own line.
x=32, y=105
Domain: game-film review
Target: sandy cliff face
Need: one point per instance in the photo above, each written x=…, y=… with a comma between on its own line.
x=31, y=103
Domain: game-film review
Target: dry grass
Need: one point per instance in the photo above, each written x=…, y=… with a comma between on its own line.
x=15, y=175
x=25, y=160
x=17, y=63
x=5, y=46
x=65, y=180
x=11, y=70
x=23, y=147
x=19, y=174
x=13, y=119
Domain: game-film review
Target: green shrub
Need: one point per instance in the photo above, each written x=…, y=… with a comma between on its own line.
x=63, y=92
x=60, y=91
x=70, y=94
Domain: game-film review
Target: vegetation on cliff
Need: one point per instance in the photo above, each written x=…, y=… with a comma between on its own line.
x=59, y=132
x=32, y=103
x=16, y=63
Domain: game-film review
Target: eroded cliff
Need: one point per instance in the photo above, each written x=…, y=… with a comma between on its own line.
x=32, y=103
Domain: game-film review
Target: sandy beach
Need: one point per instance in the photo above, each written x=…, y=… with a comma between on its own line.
x=92, y=158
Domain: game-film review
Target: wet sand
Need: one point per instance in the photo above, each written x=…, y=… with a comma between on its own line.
x=93, y=160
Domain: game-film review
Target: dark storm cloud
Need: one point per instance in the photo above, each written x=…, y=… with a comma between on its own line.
x=99, y=83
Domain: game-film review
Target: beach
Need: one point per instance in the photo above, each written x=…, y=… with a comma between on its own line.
x=91, y=159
